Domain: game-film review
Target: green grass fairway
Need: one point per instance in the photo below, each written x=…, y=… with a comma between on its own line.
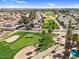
x=8, y=50
x=51, y=14
x=25, y=39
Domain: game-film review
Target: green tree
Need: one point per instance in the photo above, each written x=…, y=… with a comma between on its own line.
x=41, y=41
x=68, y=35
x=49, y=30
x=24, y=20
x=43, y=34
x=46, y=41
x=75, y=37
x=50, y=33
x=69, y=31
x=32, y=15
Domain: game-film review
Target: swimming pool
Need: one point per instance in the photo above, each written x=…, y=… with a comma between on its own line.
x=73, y=53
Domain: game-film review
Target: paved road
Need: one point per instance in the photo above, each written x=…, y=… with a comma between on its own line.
x=59, y=51
x=59, y=30
x=54, y=31
x=58, y=24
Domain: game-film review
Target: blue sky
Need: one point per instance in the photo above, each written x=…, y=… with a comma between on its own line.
x=39, y=3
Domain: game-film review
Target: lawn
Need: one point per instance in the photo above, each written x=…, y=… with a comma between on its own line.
x=49, y=13
x=50, y=24
x=8, y=50
x=49, y=21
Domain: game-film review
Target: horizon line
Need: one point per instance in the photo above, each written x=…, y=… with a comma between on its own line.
x=40, y=8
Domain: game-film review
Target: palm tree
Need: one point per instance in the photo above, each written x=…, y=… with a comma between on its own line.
x=1, y=31
x=50, y=33
x=49, y=30
x=75, y=38
x=43, y=34
x=69, y=34
x=32, y=14
x=41, y=44
x=68, y=38
x=69, y=30
x=24, y=20
x=67, y=53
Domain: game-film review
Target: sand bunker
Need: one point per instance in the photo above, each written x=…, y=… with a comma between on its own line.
x=12, y=38
x=22, y=53
x=47, y=57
